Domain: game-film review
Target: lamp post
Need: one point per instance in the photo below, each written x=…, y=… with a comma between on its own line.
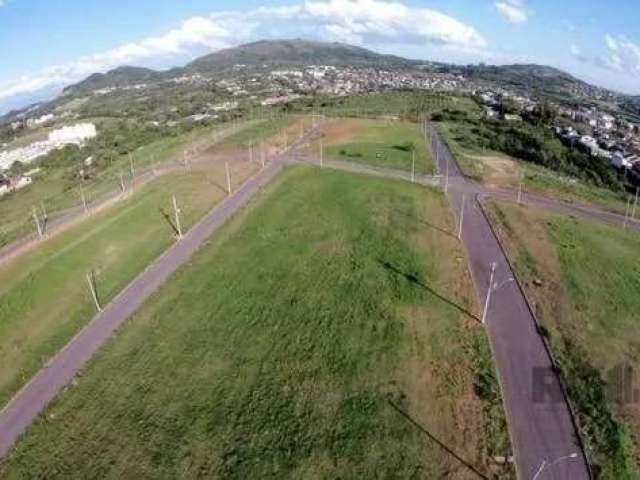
x=492, y=288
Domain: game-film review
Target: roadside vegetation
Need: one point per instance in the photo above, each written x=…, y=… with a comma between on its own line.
x=583, y=280
x=544, y=163
x=303, y=341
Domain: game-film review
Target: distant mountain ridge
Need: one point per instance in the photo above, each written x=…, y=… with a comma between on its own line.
x=295, y=52
x=298, y=52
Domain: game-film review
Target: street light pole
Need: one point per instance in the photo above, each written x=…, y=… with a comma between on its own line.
x=488, y=298
x=461, y=218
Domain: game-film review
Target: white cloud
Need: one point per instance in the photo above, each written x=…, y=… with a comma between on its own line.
x=513, y=11
x=197, y=31
x=352, y=21
x=364, y=21
x=622, y=57
x=611, y=42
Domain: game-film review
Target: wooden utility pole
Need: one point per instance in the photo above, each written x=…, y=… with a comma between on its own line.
x=226, y=167
x=83, y=198
x=413, y=165
x=176, y=213
x=520, y=192
x=626, y=213
x=91, y=280
x=446, y=179
x=37, y=222
x=131, y=169
x=45, y=218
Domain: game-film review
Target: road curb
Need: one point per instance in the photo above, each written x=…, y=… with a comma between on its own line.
x=557, y=370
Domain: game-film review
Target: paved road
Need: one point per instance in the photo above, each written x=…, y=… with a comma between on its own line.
x=540, y=423
x=27, y=404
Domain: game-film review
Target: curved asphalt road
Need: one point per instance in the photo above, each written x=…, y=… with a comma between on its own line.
x=540, y=422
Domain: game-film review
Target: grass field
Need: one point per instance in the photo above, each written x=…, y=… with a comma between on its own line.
x=44, y=298
x=498, y=169
x=412, y=105
x=583, y=279
x=282, y=348
x=377, y=142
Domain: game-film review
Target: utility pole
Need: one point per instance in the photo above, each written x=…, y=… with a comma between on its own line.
x=626, y=213
x=520, y=192
x=91, y=280
x=131, y=169
x=176, y=212
x=226, y=167
x=446, y=179
x=84, y=200
x=461, y=218
x=45, y=218
x=488, y=299
x=413, y=165
x=37, y=221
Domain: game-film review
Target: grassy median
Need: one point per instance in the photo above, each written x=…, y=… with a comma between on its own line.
x=296, y=344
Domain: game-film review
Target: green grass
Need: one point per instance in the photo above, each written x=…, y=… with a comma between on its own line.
x=384, y=144
x=44, y=298
x=584, y=277
x=276, y=351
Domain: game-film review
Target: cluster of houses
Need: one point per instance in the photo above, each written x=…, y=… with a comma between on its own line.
x=601, y=135
x=69, y=135
x=597, y=133
x=12, y=183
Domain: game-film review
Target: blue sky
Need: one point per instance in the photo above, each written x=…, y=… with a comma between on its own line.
x=54, y=43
